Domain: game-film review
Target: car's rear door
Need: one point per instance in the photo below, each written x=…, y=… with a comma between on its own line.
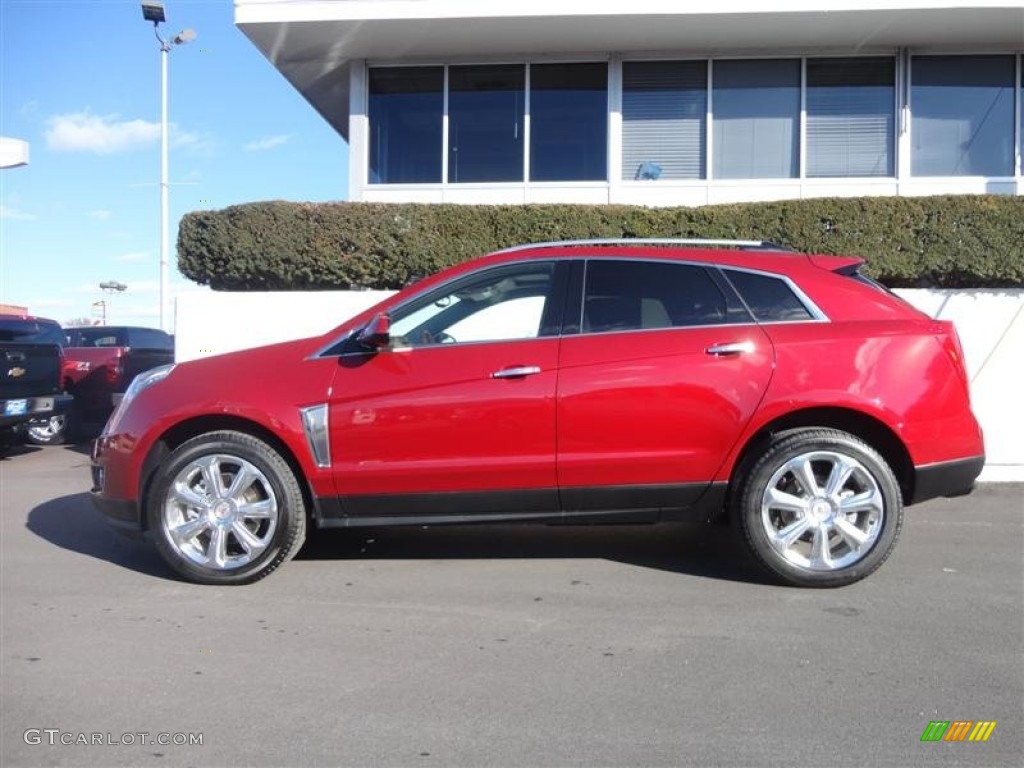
x=665, y=371
x=457, y=415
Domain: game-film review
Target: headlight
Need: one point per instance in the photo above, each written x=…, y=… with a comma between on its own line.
x=143, y=381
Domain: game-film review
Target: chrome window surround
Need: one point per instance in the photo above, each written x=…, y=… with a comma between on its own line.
x=314, y=424
x=817, y=315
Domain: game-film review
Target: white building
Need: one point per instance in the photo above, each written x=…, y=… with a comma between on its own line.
x=658, y=102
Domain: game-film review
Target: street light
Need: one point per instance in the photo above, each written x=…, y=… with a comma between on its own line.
x=154, y=11
x=110, y=286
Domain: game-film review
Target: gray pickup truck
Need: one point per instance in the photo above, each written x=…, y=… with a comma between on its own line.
x=31, y=380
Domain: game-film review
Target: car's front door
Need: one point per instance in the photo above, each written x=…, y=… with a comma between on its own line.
x=656, y=387
x=456, y=416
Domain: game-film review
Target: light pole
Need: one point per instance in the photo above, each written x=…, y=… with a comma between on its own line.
x=110, y=287
x=154, y=11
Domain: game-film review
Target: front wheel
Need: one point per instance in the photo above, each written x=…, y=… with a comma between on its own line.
x=226, y=508
x=819, y=508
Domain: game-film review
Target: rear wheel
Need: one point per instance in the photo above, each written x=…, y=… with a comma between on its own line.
x=819, y=508
x=226, y=508
x=55, y=430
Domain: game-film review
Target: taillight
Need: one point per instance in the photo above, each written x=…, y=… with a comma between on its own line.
x=954, y=349
x=115, y=371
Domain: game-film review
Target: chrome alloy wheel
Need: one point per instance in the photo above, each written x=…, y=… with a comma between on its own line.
x=220, y=512
x=49, y=429
x=822, y=510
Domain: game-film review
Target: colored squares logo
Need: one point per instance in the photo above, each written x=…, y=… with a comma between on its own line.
x=958, y=730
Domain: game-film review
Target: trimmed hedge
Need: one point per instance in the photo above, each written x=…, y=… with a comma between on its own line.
x=949, y=242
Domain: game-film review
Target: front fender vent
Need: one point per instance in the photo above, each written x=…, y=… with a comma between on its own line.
x=314, y=424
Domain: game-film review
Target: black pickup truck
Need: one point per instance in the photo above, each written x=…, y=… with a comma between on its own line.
x=31, y=357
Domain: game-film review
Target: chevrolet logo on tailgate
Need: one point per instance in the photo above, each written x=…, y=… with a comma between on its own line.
x=16, y=372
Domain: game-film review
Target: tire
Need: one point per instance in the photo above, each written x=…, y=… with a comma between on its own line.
x=243, y=530
x=818, y=508
x=55, y=431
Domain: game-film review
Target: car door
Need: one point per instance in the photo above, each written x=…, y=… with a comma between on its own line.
x=456, y=415
x=666, y=370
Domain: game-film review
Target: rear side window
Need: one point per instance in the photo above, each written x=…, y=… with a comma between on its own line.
x=98, y=337
x=769, y=298
x=149, y=338
x=622, y=295
x=30, y=332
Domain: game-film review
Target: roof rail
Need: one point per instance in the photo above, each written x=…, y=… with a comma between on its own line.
x=745, y=245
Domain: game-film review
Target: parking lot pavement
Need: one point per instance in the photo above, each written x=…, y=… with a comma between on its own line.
x=503, y=646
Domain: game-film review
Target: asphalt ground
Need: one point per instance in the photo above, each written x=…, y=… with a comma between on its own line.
x=502, y=646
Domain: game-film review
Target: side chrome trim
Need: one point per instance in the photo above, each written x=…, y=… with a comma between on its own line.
x=314, y=424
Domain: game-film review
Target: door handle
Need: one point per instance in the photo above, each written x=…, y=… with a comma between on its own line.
x=732, y=348
x=517, y=372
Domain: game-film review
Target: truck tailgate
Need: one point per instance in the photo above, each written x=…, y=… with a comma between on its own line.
x=29, y=370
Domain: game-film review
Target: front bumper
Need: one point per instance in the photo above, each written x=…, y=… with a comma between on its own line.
x=946, y=478
x=124, y=515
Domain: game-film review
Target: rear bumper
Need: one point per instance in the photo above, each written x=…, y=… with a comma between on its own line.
x=946, y=478
x=15, y=411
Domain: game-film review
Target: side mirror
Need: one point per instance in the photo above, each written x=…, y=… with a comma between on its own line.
x=376, y=334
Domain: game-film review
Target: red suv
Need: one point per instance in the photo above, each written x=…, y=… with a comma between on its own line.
x=580, y=382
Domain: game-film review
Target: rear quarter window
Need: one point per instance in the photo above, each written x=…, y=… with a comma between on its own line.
x=770, y=299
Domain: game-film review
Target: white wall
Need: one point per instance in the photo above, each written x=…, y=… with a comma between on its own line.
x=216, y=322
x=990, y=324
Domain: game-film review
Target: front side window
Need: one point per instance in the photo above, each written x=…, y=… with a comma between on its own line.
x=962, y=109
x=569, y=122
x=646, y=295
x=850, y=116
x=485, y=123
x=500, y=304
x=405, y=111
x=664, y=119
x=756, y=117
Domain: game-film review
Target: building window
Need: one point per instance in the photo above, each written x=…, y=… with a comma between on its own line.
x=406, y=108
x=962, y=110
x=664, y=119
x=569, y=122
x=756, y=108
x=485, y=123
x=850, y=117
